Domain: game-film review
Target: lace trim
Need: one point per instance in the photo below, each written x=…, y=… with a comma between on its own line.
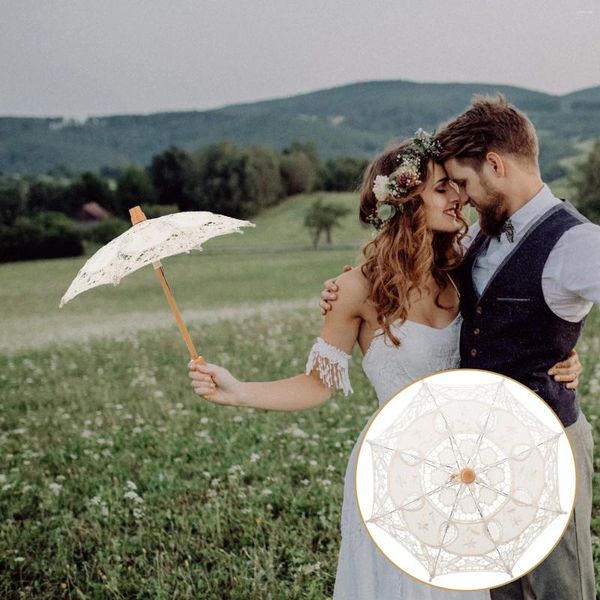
x=332, y=364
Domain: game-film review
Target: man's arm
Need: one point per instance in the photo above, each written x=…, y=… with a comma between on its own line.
x=571, y=277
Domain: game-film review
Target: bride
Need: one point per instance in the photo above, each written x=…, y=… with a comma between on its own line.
x=401, y=306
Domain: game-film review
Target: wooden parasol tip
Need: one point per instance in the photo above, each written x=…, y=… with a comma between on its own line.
x=137, y=215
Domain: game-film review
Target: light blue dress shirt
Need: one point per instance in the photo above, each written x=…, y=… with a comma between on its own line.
x=571, y=276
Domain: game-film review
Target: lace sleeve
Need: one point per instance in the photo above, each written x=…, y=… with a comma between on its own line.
x=332, y=364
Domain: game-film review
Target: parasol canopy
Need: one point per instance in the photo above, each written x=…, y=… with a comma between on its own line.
x=146, y=242
x=466, y=479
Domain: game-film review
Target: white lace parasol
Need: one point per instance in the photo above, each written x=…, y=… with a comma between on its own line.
x=146, y=242
x=460, y=478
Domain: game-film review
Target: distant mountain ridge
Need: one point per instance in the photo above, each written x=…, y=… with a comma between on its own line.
x=355, y=119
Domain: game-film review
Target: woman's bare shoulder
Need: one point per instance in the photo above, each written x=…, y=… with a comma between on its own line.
x=353, y=290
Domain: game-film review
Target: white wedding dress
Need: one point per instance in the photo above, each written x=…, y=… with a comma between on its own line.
x=363, y=573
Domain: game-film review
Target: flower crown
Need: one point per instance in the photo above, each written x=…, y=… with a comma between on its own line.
x=391, y=189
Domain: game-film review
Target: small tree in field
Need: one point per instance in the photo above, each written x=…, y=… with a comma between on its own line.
x=586, y=184
x=322, y=218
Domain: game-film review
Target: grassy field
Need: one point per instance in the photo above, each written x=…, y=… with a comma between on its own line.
x=282, y=225
x=116, y=481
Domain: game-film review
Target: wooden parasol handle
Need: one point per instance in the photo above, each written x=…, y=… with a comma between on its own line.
x=137, y=216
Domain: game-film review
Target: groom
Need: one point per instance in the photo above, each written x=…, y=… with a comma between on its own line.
x=530, y=277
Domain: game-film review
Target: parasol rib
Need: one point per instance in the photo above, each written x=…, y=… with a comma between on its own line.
x=451, y=437
x=432, y=573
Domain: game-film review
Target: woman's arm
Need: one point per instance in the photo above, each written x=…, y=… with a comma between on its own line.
x=338, y=336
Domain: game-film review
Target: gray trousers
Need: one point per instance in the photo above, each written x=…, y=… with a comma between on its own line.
x=567, y=573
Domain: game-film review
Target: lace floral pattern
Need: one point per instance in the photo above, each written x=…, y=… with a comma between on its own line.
x=332, y=365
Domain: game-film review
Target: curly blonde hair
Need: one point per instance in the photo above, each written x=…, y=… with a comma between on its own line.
x=405, y=253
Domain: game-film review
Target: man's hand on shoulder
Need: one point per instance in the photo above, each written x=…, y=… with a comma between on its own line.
x=329, y=292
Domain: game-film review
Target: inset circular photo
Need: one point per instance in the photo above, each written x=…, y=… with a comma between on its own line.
x=465, y=480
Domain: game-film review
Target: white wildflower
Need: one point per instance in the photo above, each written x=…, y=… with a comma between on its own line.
x=131, y=495
x=55, y=487
x=308, y=569
x=296, y=432
x=235, y=469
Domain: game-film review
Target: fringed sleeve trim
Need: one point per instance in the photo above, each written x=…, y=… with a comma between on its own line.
x=332, y=364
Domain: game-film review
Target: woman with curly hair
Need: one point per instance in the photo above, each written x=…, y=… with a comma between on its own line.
x=401, y=307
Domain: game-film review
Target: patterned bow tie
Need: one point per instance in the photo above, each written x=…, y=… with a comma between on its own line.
x=509, y=230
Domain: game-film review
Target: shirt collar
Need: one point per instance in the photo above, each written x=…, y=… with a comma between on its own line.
x=523, y=218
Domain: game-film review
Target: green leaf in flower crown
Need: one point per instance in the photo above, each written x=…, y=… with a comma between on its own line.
x=386, y=211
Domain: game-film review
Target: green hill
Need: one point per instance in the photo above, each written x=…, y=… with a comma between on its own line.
x=356, y=119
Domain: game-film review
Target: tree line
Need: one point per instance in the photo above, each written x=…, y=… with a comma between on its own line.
x=226, y=178
x=36, y=213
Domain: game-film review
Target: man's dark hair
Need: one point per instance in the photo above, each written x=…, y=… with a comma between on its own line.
x=489, y=124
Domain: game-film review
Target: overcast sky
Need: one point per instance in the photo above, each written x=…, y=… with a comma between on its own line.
x=100, y=57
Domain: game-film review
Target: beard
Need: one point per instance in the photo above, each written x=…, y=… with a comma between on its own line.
x=493, y=216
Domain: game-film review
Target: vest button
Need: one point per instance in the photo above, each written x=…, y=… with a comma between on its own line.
x=476, y=331
x=473, y=352
x=478, y=310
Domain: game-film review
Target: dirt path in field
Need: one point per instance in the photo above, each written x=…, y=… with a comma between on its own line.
x=37, y=332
